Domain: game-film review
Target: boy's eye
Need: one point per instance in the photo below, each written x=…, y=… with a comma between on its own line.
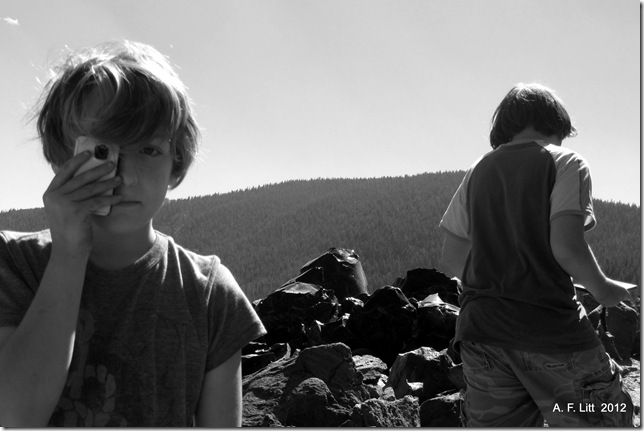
x=150, y=151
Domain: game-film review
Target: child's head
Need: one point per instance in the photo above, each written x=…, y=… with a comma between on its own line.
x=120, y=92
x=530, y=105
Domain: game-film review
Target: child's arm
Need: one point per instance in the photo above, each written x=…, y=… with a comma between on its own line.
x=35, y=356
x=570, y=249
x=220, y=404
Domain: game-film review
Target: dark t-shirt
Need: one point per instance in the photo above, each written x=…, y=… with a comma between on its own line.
x=146, y=335
x=515, y=293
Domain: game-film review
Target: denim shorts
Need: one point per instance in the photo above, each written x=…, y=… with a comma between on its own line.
x=515, y=388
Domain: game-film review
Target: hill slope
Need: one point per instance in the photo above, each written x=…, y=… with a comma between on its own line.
x=266, y=234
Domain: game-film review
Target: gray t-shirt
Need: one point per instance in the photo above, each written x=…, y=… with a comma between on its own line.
x=515, y=293
x=146, y=334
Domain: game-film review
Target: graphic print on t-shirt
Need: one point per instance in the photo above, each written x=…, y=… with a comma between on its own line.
x=88, y=398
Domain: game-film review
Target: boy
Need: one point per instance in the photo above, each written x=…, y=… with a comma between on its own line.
x=515, y=237
x=103, y=320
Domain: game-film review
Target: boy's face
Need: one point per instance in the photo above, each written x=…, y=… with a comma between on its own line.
x=146, y=171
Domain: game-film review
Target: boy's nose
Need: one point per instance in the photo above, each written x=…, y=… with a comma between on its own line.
x=127, y=170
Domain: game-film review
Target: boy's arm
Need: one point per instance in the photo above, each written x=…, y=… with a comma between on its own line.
x=220, y=405
x=454, y=255
x=570, y=249
x=35, y=357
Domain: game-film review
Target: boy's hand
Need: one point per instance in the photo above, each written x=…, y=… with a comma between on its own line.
x=633, y=292
x=635, y=295
x=70, y=200
x=616, y=291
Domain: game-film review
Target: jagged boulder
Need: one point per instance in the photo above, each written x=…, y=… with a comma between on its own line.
x=436, y=322
x=618, y=328
x=401, y=413
x=586, y=299
x=374, y=373
x=349, y=303
x=385, y=326
x=290, y=310
x=338, y=269
x=328, y=333
x=419, y=283
x=423, y=372
x=442, y=411
x=311, y=403
x=313, y=275
x=623, y=322
x=256, y=355
x=319, y=386
x=335, y=331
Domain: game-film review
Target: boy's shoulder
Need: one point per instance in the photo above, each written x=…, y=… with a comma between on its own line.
x=203, y=265
x=208, y=266
x=560, y=149
x=566, y=157
x=25, y=253
x=14, y=240
x=557, y=153
x=180, y=250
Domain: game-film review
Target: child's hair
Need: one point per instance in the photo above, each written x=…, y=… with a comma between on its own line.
x=530, y=105
x=121, y=92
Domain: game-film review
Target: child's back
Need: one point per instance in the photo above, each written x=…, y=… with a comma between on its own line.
x=515, y=236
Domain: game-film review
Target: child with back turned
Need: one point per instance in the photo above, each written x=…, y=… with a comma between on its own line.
x=103, y=320
x=515, y=237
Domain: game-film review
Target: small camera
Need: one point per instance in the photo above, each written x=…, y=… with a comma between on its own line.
x=101, y=152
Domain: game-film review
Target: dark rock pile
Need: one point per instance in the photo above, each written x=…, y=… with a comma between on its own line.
x=336, y=355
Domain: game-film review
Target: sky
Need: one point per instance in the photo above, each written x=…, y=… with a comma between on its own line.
x=301, y=89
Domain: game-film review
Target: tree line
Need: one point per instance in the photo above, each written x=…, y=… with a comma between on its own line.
x=264, y=235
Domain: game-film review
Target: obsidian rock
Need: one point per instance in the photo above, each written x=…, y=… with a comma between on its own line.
x=436, y=322
x=338, y=269
x=385, y=325
x=288, y=312
x=419, y=283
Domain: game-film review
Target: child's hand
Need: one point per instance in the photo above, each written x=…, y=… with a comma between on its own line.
x=632, y=295
x=616, y=291
x=70, y=200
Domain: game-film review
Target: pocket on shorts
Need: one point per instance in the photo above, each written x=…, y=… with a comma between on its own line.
x=606, y=403
x=474, y=359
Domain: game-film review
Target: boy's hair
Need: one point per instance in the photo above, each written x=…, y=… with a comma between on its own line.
x=530, y=105
x=122, y=92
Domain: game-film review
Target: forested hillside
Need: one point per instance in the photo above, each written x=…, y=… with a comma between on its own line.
x=266, y=234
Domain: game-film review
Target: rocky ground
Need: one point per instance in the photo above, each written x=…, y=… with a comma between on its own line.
x=633, y=386
x=327, y=386
x=337, y=356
